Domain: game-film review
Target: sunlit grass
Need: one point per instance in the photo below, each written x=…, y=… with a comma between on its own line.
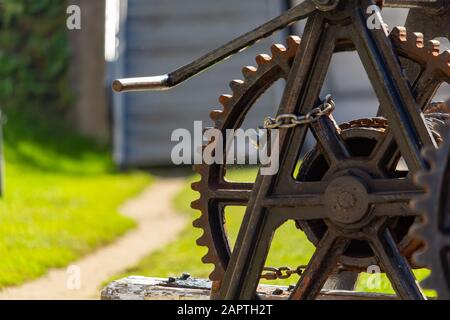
x=61, y=199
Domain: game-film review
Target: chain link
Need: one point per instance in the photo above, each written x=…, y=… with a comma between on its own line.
x=271, y=273
x=287, y=121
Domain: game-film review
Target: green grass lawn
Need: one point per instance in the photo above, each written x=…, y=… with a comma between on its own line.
x=61, y=198
x=290, y=246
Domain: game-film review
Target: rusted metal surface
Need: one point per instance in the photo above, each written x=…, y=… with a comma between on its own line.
x=340, y=231
x=210, y=214
x=350, y=197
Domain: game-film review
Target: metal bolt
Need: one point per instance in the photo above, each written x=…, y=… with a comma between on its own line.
x=185, y=276
x=277, y=292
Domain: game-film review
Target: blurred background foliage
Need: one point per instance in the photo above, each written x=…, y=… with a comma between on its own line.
x=34, y=56
x=62, y=187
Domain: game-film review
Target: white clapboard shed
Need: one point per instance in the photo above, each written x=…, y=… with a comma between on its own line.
x=158, y=36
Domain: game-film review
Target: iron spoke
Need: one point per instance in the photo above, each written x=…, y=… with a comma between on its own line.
x=394, y=210
x=304, y=213
x=393, y=190
x=385, y=155
x=392, y=197
x=425, y=88
x=326, y=132
x=319, y=268
x=396, y=267
x=295, y=201
x=238, y=193
x=299, y=200
x=392, y=90
x=236, y=284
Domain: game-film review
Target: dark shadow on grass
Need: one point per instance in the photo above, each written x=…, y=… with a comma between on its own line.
x=55, y=140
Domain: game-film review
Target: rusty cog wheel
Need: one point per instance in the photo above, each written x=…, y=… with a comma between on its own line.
x=216, y=192
x=361, y=137
x=434, y=228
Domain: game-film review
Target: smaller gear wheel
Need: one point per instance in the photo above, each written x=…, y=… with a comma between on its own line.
x=438, y=118
x=434, y=228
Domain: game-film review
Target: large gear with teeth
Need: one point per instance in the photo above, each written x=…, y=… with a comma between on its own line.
x=211, y=220
x=434, y=228
x=216, y=192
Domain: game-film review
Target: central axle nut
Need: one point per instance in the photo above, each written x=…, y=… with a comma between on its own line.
x=347, y=200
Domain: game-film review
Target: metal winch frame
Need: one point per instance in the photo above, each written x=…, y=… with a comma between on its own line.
x=403, y=92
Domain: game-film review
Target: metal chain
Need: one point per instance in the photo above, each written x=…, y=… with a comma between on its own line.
x=271, y=273
x=286, y=121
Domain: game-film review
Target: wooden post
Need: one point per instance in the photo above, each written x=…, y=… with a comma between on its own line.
x=88, y=70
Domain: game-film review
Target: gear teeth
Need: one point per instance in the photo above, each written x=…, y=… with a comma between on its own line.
x=216, y=275
x=236, y=85
x=399, y=33
x=418, y=207
x=196, y=204
x=225, y=100
x=445, y=58
x=429, y=209
x=418, y=39
x=410, y=43
x=202, y=219
x=208, y=257
x=200, y=169
x=238, y=88
x=430, y=155
x=277, y=50
x=433, y=47
x=263, y=59
x=218, y=272
x=249, y=72
x=420, y=258
x=421, y=180
x=197, y=223
x=293, y=42
x=215, y=115
x=203, y=240
x=196, y=185
x=416, y=227
x=424, y=52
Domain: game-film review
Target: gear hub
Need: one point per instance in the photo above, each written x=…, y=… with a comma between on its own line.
x=347, y=200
